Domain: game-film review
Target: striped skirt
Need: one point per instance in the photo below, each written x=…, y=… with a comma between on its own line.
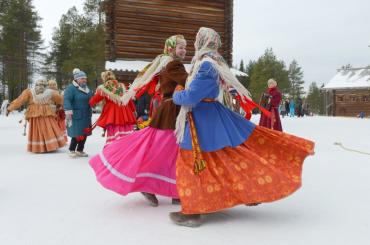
x=44, y=135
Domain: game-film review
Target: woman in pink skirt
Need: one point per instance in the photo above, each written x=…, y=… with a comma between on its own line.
x=145, y=161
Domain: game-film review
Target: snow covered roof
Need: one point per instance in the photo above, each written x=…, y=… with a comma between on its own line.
x=137, y=65
x=350, y=78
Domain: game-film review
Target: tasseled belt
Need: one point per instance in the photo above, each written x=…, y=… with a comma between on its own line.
x=199, y=162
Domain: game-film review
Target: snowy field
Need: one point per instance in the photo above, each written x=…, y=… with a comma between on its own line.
x=51, y=199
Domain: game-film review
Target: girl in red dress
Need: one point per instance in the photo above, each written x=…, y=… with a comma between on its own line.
x=116, y=118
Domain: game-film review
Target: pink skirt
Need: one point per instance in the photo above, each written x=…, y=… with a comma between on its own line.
x=115, y=132
x=144, y=161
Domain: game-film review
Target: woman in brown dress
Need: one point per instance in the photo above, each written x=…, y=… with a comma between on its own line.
x=44, y=134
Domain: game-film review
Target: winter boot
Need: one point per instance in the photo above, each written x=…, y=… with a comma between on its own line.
x=189, y=220
x=81, y=154
x=153, y=201
x=72, y=154
x=252, y=204
x=176, y=201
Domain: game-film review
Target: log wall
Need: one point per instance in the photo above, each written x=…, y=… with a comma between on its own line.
x=137, y=29
x=351, y=102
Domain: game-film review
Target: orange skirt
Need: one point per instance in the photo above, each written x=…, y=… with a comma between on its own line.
x=44, y=135
x=62, y=125
x=265, y=168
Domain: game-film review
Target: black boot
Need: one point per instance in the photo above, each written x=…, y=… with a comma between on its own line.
x=189, y=220
x=176, y=201
x=252, y=204
x=153, y=201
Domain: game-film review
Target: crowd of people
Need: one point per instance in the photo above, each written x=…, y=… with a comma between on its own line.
x=290, y=108
x=193, y=149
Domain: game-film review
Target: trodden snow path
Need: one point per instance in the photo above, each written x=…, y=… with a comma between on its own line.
x=52, y=199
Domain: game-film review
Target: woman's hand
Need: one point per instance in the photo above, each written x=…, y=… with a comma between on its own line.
x=179, y=88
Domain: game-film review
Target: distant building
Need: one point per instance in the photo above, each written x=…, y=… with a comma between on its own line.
x=348, y=93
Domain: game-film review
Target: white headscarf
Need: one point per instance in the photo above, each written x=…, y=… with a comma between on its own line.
x=206, y=45
x=153, y=68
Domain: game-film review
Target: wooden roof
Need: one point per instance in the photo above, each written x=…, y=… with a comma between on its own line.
x=137, y=29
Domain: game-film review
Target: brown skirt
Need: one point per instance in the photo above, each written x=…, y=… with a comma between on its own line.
x=44, y=135
x=265, y=168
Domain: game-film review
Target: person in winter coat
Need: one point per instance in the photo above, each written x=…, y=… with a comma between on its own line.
x=291, y=108
x=300, y=108
x=78, y=113
x=283, y=109
x=286, y=104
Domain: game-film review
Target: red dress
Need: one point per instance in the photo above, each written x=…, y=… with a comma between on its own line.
x=156, y=99
x=273, y=107
x=117, y=119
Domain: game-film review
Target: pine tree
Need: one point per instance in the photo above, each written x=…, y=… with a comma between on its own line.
x=61, y=47
x=248, y=70
x=79, y=41
x=20, y=44
x=266, y=67
x=94, y=11
x=241, y=66
x=315, y=99
x=296, y=80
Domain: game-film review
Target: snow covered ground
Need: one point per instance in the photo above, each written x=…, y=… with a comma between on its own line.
x=52, y=199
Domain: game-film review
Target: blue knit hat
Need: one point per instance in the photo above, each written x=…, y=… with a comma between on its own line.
x=77, y=74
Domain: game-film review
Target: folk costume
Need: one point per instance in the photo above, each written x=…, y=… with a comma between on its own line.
x=59, y=111
x=224, y=159
x=116, y=118
x=44, y=134
x=274, y=98
x=144, y=161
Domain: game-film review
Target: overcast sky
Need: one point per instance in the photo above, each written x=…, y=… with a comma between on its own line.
x=322, y=35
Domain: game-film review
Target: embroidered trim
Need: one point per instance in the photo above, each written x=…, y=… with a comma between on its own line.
x=140, y=175
x=60, y=138
x=119, y=133
x=118, y=99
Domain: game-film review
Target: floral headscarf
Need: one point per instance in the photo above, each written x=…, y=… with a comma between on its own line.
x=111, y=87
x=170, y=45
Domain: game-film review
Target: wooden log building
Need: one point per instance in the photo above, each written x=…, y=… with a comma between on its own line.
x=137, y=29
x=348, y=93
